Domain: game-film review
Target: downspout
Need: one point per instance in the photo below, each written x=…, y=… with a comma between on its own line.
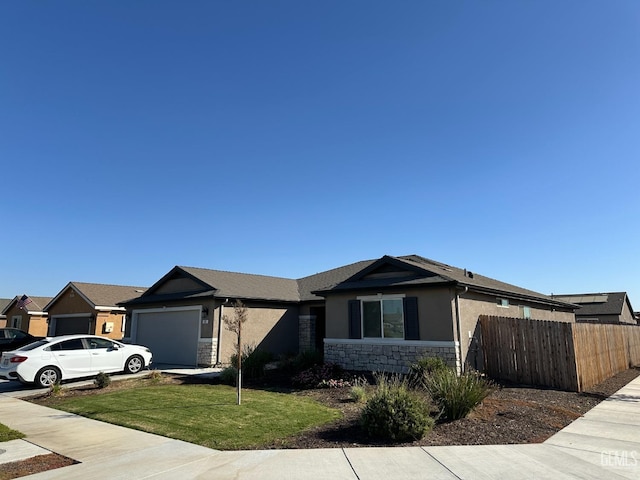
x=459, y=322
x=220, y=312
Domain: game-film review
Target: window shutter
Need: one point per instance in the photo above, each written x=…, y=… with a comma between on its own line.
x=354, y=319
x=411, y=323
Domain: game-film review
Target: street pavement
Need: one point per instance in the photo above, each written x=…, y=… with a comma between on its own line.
x=603, y=444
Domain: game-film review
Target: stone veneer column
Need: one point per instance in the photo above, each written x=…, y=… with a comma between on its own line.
x=306, y=332
x=207, y=352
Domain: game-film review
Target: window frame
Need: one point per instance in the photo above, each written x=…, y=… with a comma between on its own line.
x=502, y=302
x=16, y=321
x=381, y=298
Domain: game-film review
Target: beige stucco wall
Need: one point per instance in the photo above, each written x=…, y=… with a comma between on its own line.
x=272, y=328
x=72, y=303
x=627, y=315
x=472, y=305
x=269, y=327
x=34, y=324
x=435, y=312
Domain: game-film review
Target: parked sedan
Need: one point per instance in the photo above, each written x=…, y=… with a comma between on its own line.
x=12, y=338
x=51, y=360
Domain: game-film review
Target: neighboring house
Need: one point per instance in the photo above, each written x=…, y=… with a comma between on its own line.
x=3, y=304
x=31, y=318
x=370, y=315
x=90, y=308
x=400, y=308
x=614, y=307
x=180, y=317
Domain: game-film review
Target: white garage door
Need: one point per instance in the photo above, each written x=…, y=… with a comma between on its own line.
x=172, y=335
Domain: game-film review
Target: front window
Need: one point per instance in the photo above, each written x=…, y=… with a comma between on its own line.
x=382, y=318
x=16, y=321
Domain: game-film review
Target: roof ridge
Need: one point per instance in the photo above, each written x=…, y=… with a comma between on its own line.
x=236, y=273
x=106, y=284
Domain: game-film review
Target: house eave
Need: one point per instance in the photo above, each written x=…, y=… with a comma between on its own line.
x=518, y=296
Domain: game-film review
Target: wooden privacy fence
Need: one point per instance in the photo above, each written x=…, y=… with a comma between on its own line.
x=568, y=356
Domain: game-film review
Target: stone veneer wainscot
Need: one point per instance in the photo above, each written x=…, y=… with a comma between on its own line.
x=387, y=356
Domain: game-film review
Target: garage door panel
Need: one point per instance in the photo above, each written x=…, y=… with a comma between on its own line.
x=172, y=336
x=72, y=325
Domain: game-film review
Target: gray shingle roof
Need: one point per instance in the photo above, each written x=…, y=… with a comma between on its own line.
x=4, y=302
x=262, y=287
x=430, y=272
x=244, y=285
x=593, y=304
x=101, y=295
x=328, y=279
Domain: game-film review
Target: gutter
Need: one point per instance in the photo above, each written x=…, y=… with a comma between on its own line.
x=220, y=314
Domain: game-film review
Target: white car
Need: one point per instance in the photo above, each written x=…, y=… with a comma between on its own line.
x=51, y=360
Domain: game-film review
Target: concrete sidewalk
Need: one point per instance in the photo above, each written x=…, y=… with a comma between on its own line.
x=605, y=443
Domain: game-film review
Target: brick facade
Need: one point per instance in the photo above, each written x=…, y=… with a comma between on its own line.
x=386, y=357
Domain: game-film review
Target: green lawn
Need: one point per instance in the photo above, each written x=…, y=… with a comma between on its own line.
x=7, y=434
x=204, y=414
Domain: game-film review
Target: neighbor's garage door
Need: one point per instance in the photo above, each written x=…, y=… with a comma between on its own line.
x=171, y=336
x=71, y=325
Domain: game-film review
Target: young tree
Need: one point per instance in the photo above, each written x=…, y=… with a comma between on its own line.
x=235, y=325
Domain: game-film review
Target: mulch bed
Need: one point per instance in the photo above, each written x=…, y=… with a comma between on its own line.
x=511, y=414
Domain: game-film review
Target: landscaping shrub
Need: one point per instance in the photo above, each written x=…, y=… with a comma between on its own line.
x=102, y=380
x=396, y=412
x=424, y=367
x=254, y=361
x=229, y=376
x=55, y=390
x=155, y=376
x=359, y=390
x=325, y=375
x=302, y=361
x=456, y=396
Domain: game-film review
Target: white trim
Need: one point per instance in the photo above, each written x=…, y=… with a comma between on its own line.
x=33, y=312
x=110, y=309
x=392, y=341
x=381, y=296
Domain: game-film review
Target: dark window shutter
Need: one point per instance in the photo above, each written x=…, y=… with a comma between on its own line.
x=354, y=319
x=411, y=323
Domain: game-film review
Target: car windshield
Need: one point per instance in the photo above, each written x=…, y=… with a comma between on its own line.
x=33, y=345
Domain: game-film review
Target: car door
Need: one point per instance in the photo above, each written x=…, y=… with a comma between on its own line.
x=72, y=357
x=105, y=355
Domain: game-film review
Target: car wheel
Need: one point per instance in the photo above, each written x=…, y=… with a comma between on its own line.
x=47, y=377
x=134, y=364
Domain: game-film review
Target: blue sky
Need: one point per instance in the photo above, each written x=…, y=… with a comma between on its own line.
x=286, y=138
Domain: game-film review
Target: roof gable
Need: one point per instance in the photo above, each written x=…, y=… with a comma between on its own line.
x=594, y=304
x=37, y=304
x=414, y=270
x=99, y=295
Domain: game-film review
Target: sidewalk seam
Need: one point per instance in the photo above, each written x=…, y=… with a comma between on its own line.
x=443, y=465
x=349, y=462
